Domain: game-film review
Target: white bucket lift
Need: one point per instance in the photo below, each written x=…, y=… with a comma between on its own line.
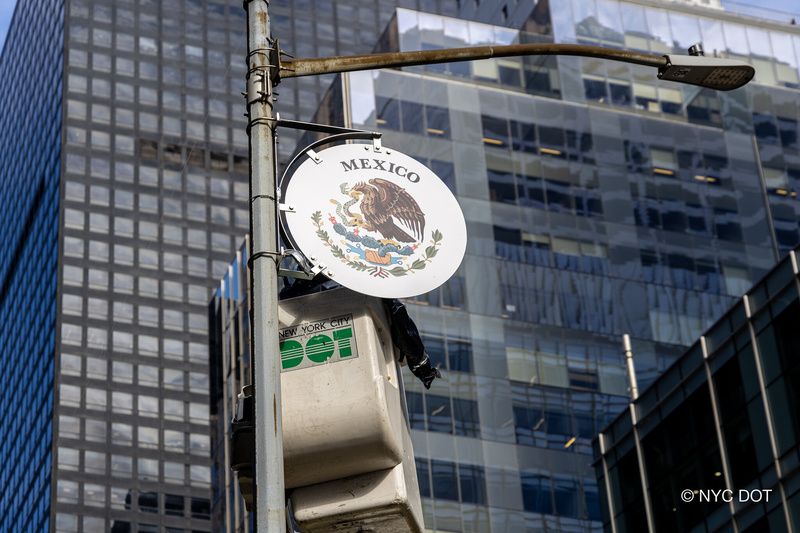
x=347, y=447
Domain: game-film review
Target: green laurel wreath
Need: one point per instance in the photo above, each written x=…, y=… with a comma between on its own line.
x=418, y=264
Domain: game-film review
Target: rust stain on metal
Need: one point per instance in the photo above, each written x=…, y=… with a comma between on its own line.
x=275, y=414
x=262, y=17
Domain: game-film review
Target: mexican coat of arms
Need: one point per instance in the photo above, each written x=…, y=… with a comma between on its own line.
x=377, y=227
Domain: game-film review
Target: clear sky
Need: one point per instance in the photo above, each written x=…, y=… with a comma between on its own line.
x=6, y=10
x=789, y=6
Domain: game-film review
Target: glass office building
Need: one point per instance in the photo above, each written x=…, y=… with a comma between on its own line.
x=124, y=189
x=231, y=369
x=599, y=202
x=725, y=416
x=29, y=195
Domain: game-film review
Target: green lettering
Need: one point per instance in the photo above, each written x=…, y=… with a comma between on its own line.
x=342, y=338
x=319, y=348
x=291, y=354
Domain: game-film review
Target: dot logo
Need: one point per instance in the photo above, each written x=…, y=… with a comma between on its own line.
x=314, y=343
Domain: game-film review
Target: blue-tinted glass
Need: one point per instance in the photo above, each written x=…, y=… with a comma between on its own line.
x=557, y=422
x=434, y=347
x=453, y=293
x=765, y=128
x=551, y=137
x=416, y=410
x=473, y=484
x=592, y=503
x=566, y=497
x=595, y=90
x=446, y=171
x=673, y=108
x=423, y=477
x=459, y=69
x=465, y=417
x=534, y=192
x=637, y=156
x=538, y=81
x=511, y=77
x=726, y=225
x=459, y=354
x=526, y=421
x=674, y=219
x=411, y=115
x=523, y=136
x=439, y=417
x=438, y=121
x=495, y=131
x=536, y=493
x=788, y=132
x=507, y=235
x=620, y=94
x=585, y=425
x=558, y=196
x=445, y=486
x=388, y=113
x=502, y=186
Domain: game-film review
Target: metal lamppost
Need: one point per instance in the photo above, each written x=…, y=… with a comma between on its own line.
x=266, y=69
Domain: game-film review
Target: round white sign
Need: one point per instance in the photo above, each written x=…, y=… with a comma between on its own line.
x=376, y=220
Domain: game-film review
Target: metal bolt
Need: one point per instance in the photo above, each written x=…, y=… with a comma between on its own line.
x=696, y=50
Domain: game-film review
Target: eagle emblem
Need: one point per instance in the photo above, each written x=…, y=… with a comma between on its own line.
x=384, y=204
x=380, y=229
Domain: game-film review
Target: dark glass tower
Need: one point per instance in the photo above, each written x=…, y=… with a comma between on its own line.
x=724, y=418
x=30, y=157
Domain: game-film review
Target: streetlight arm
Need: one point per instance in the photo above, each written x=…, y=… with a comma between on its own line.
x=294, y=68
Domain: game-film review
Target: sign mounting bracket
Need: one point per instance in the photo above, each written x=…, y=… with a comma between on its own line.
x=321, y=128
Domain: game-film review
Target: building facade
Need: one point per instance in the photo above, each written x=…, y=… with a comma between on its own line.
x=599, y=202
x=124, y=195
x=724, y=417
x=153, y=172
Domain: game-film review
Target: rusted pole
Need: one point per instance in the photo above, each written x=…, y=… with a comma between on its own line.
x=270, y=499
x=294, y=68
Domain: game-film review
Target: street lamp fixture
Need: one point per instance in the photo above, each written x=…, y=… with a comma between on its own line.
x=266, y=67
x=709, y=72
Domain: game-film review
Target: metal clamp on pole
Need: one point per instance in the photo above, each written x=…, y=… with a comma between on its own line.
x=307, y=270
x=275, y=256
x=258, y=89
